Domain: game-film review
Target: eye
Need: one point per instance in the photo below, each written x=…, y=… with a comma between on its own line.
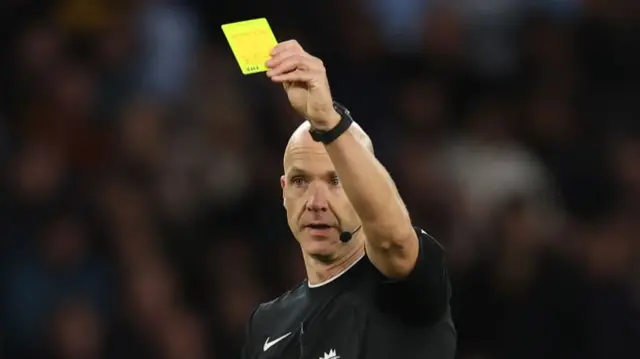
x=298, y=181
x=335, y=181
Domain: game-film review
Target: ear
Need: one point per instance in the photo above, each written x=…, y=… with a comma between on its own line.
x=283, y=183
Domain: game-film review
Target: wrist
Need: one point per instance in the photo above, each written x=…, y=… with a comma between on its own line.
x=326, y=122
x=332, y=126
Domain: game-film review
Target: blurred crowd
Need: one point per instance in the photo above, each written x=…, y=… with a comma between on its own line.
x=140, y=208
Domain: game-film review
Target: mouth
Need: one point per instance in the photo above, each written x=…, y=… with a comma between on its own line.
x=319, y=230
x=318, y=226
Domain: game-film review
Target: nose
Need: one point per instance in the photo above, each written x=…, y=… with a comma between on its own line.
x=317, y=201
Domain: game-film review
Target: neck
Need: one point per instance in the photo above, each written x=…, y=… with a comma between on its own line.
x=319, y=272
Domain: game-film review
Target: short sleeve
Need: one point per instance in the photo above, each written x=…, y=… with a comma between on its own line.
x=423, y=296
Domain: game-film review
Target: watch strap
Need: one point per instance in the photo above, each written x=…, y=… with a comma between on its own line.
x=328, y=136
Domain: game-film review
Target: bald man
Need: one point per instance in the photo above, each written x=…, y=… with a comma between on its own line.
x=376, y=286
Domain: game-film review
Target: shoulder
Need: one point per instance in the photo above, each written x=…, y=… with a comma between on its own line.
x=268, y=312
x=422, y=297
x=424, y=236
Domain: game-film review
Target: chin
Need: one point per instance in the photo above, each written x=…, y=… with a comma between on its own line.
x=320, y=247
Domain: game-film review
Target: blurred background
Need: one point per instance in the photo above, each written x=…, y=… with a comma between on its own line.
x=141, y=213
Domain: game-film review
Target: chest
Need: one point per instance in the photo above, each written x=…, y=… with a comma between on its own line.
x=330, y=331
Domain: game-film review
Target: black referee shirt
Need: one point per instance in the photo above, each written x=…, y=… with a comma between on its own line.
x=361, y=315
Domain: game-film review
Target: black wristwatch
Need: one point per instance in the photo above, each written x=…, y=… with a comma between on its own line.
x=329, y=136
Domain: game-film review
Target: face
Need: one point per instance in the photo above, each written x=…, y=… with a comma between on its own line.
x=317, y=208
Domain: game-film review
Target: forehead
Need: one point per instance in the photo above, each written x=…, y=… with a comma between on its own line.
x=305, y=154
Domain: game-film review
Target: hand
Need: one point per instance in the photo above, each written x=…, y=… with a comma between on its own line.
x=305, y=80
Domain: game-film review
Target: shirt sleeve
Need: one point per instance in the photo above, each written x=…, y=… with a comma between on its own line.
x=423, y=296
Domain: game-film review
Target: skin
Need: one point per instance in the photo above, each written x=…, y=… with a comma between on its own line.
x=333, y=184
x=312, y=192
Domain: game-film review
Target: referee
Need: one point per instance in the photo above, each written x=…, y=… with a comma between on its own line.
x=376, y=285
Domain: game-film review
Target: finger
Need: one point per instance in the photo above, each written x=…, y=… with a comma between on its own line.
x=278, y=59
x=295, y=62
x=294, y=76
x=286, y=45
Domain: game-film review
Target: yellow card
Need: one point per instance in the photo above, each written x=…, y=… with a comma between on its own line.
x=250, y=42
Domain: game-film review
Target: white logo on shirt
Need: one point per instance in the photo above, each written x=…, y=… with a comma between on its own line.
x=330, y=355
x=268, y=344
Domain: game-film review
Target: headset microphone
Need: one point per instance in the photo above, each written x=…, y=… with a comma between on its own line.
x=347, y=236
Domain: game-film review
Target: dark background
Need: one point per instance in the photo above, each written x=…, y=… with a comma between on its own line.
x=141, y=214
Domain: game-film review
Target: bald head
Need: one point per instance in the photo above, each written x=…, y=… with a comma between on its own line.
x=301, y=137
